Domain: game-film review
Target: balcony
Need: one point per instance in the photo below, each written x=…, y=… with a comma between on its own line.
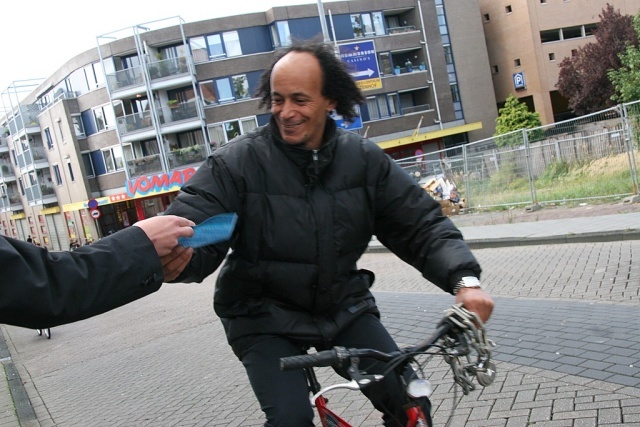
x=125, y=79
x=142, y=166
x=186, y=156
x=416, y=109
x=168, y=68
x=135, y=122
x=400, y=30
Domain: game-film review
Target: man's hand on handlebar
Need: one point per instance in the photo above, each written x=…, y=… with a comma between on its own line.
x=477, y=301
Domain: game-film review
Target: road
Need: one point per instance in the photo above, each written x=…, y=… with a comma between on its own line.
x=566, y=324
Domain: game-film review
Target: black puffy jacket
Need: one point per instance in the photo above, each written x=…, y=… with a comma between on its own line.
x=304, y=219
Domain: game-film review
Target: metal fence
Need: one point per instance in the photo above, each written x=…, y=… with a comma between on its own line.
x=594, y=157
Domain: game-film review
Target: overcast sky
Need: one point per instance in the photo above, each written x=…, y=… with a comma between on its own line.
x=38, y=37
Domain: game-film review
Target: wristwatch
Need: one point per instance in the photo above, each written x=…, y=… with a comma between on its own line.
x=467, y=282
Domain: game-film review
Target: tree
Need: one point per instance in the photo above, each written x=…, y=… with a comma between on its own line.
x=583, y=78
x=512, y=117
x=626, y=79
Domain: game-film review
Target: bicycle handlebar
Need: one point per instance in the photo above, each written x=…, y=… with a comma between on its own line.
x=339, y=357
x=460, y=331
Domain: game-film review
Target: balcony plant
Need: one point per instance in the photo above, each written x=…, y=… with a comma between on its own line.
x=173, y=103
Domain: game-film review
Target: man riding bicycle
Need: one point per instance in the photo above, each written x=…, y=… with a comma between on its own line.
x=309, y=197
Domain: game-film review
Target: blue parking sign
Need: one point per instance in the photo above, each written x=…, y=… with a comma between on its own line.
x=518, y=81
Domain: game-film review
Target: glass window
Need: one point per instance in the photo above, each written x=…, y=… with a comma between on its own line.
x=113, y=158
x=57, y=175
x=88, y=165
x=216, y=136
x=356, y=24
x=373, y=108
x=248, y=124
x=208, y=92
x=284, y=35
x=47, y=137
x=367, y=24
x=394, y=108
x=232, y=43
x=198, y=49
x=384, y=61
x=98, y=115
x=378, y=23
x=240, y=86
x=232, y=129
x=71, y=175
x=78, y=126
x=216, y=49
x=224, y=90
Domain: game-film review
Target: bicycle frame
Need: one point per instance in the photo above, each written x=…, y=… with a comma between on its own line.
x=328, y=418
x=459, y=338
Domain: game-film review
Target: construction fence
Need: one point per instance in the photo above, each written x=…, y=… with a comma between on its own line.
x=590, y=158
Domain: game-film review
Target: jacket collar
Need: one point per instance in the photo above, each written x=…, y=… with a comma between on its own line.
x=310, y=162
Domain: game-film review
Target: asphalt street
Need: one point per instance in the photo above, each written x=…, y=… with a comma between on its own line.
x=566, y=325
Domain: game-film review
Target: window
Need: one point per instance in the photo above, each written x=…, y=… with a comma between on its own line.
x=487, y=18
x=104, y=117
x=508, y=8
x=552, y=56
x=57, y=175
x=78, y=127
x=367, y=24
x=516, y=62
x=232, y=43
x=494, y=69
x=47, y=137
x=240, y=86
x=280, y=33
x=224, y=90
x=113, y=160
x=221, y=133
x=89, y=171
x=378, y=107
x=574, y=52
x=215, y=46
x=571, y=33
x=71, y=175
x=208, y=93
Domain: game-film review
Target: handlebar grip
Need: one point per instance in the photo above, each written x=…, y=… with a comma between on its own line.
x=321, y=358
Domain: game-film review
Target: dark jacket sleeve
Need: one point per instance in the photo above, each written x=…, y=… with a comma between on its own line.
x=40, y=289
x=210, y=191
x=411, y=224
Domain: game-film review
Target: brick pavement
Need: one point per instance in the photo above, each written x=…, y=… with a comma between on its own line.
x=566, y=325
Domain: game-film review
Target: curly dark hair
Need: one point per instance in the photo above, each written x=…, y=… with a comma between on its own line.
x=337, y=84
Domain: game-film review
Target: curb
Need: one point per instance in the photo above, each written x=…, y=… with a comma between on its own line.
x=21, y=403
x=592, y=237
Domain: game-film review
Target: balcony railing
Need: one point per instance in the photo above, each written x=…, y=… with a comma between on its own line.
x=125, y=78
x=178, y=112
x=134, y=122
x=186, y=156
x=399, y=30
x=144, y=165
x=168, y=67
x=416, y=108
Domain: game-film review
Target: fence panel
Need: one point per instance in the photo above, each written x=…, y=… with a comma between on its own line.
x=587, y=158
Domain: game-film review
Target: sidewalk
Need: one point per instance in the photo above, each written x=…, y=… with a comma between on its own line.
x=17, y=410
x=604, y=228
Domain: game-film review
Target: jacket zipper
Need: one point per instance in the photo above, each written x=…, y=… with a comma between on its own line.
x=315, y=162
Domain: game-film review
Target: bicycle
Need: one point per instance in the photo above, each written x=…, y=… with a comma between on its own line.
x=459, y=338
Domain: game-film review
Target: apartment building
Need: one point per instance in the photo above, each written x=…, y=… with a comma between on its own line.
x=111, y=136
x=528, y=39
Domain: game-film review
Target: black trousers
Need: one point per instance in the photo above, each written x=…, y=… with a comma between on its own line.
x=284, y=396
